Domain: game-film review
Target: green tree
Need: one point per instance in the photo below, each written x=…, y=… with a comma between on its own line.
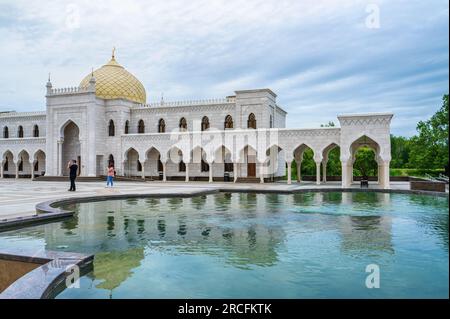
x=400, y=149
x=430, y=148
x=365, y=163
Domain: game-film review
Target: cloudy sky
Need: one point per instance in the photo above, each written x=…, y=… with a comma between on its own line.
x=322, y=58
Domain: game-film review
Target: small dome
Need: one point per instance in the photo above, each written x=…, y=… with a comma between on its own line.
x=114, y=82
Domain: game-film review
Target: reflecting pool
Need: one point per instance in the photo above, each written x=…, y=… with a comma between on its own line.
x=244, y=245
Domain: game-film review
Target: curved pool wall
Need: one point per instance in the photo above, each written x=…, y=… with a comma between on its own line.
x=245, y=245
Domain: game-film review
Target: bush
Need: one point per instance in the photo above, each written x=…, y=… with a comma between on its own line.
x=417, y=172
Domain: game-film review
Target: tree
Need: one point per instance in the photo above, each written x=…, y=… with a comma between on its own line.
x=365, y=163
x=430, y=148
x=400, y=149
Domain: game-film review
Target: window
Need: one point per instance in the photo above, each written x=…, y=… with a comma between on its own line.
x=271, y=121
x=21, y=165
x=36, y=131
x=205, y=123
x=161, y=126
x=20, y=131
x=183, y=124
x=139, y=166
x=205, y=166
x=228, y=122
x=127, y=127
x=251, y=123
x=111, y=128
x=5, y=132
x=36, y=166
x=181, y=167
x=141, y=127
x=5, y=165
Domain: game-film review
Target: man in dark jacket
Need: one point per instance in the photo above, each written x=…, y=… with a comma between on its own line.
x=73, y=169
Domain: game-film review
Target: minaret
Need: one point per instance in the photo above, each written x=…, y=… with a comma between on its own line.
x=91, y=86
x=49, y=85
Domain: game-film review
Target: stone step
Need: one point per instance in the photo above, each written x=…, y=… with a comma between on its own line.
x=66, y=179
x=248, y=180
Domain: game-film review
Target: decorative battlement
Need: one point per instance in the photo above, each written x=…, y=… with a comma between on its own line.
x=21, y=114
x=227, y=100
x=69, y=90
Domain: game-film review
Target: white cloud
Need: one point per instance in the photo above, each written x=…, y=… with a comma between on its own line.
x=316, y=55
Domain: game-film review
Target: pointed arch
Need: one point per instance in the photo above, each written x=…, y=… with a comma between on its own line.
x=35, y=130
x=141, y=127
x=20, y=132
x=5, y=132
x=251, y=122
x=228, y=124
x=161, y=126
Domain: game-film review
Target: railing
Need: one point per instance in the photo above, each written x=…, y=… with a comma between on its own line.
x=189, y=102
x=69, y=90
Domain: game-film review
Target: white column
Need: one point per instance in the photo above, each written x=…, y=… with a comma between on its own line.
x=324, y=171
x=210, y=172
x=17, y=169
x=261, y=173
x=235, y=172
x=1, y=170
x=59, y=156
x=143, y=170
x=289, y=172
x=187, y=173
x=318, y=173
x=385, y=179
x=122, y=168
x=346, y=171
x=32, y=170
x=164, y=171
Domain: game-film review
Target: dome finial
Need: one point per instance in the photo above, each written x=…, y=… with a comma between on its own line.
x=113, y=53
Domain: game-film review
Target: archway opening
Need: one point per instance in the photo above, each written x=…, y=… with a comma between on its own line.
x=39, y=163
x=153, y=165
x=24, y=166
x=71, y=148
x=365, y=156
x=304, y=167
x=132, y=166
x=331, y=164
x=9, y=168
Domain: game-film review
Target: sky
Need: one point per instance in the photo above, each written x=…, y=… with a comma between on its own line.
x=322, y=58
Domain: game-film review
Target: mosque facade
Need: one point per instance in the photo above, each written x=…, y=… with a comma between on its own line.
x=242, y=137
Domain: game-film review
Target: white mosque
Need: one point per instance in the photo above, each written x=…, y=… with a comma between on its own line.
x=242, y=137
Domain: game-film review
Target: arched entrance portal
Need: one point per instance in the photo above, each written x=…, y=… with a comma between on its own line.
x=71, y=149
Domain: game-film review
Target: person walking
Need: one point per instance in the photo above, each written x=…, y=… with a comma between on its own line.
x=73, y=169
x=110, y=175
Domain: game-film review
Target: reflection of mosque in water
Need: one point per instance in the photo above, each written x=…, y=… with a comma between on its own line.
x=230, y=226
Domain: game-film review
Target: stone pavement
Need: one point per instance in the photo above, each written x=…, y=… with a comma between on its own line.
x=18, y=198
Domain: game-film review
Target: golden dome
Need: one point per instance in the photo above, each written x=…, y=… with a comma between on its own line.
x=114, y=82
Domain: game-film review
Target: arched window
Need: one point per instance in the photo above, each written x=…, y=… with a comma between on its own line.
x=228, y=122
x=271, y=121
x=141, y=127
x=111, y=128
x=127, y=127
x=5, y=132
x=111, y=160
x=251, y=123
x=35, y=131
x=161, y=126
x=20, y=131
x=205, y=123
x=183, y=124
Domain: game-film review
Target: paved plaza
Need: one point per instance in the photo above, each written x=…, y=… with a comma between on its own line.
x=18, y=198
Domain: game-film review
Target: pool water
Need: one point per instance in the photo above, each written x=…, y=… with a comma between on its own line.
x=244, y=245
